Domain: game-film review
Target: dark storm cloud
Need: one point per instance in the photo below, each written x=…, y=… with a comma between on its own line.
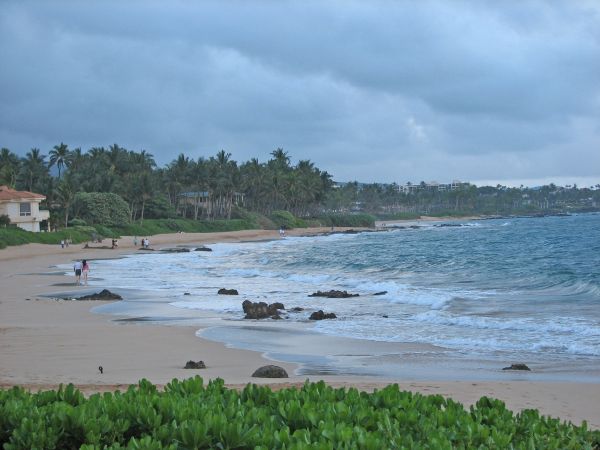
x=388, y=91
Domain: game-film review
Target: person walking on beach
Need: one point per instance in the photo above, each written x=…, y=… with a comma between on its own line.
x=135, y=241
x=62, y=243
x=85, y=268
x=77, y=267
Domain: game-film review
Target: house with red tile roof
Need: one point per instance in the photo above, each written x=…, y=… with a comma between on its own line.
x=23, y=208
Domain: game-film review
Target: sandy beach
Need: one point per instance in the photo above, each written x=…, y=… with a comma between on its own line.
x=45, y=342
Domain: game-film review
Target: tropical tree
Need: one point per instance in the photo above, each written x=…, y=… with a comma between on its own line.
x=60, y=156
x=65, y=193
x=33, y=169
x=9, y=167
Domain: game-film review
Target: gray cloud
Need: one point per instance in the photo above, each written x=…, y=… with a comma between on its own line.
x=377, y=91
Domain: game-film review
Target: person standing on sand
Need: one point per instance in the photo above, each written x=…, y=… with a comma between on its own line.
x=85, y=268
x=77, y=267
x=135, y=241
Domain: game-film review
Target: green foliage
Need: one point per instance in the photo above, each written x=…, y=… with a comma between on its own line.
x=287, y=220
x=160, y=226
x=17, y=236
x=159, y=208
x=77, y=223
x=348, y=220
x=4, y=220
x=191, y=415
x=102, y=208
x=252, y=218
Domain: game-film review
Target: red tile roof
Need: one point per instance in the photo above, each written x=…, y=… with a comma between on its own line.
x=7, y=193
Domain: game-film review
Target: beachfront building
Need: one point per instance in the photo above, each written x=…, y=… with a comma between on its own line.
x=432, y=186
x=23, y=208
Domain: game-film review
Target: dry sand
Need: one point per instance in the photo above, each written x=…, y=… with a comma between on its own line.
x=44, y=342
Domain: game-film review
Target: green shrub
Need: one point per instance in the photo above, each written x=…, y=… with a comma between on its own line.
x=188, y=414
x=17, y=236
x=287, y=220
x=4, y=220
x=77, y=222
x=348, y=220
x=101, y=208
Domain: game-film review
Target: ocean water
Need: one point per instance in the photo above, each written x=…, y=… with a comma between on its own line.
x=520, y=290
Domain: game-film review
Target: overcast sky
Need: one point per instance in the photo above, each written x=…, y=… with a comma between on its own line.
x=498, y=91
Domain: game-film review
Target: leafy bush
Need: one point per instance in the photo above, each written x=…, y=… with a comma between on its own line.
x=348, y=220
x=77, y=222
x=188, y=414
x=17, y=236
x=158, y=207
x=101, y=208
x=4, y=220
x=287, y=220
x=160, y=226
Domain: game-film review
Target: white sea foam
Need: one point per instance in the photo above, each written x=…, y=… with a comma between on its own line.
x=477, y=291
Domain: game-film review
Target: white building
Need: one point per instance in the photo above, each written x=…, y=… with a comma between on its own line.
x=23, y=208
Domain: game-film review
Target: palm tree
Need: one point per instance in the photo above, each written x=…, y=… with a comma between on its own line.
x=60, y=156
x=33, y=168
x=9, y=167
x=66, y=194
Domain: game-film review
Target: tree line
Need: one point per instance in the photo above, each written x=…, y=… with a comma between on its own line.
x=202, y=188
x=209, y=188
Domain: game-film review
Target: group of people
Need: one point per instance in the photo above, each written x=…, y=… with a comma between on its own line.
x=145, y=242
x=81, y=269
x=65, y=243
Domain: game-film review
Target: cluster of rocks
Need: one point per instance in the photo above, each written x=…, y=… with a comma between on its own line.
x=269, y=371
x=333, y=294
x=175, y=250
x=104, y=294
x=320, y=315
x=261, y=310
x=519, y=366
x=224, y=291
x=195, y=365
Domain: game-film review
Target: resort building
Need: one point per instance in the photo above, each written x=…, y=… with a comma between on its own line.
x=23, y=208
x=433, y=186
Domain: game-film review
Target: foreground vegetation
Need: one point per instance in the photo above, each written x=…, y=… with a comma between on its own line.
x=189, y=415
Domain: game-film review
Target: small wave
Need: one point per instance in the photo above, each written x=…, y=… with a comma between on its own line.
x=579, y=328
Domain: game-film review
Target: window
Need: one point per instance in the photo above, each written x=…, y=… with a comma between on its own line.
x=25, y=209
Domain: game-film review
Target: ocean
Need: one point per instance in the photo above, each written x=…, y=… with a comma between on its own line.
x=462, y=299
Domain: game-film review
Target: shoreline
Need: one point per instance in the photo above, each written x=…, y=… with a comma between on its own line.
x=45, y=343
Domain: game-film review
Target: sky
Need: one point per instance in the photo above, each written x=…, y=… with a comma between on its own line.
x=381, y=91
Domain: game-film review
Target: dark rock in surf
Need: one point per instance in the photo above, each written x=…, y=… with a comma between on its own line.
x=320, y=315
x=104, y=294
x=195, y=365
x=175, y=250
x=297, y=309
x=270, y=371
x=333, y=294
x=224, y=291
x=260, y=310
x=203, y=249
x=380, y=293
x=517, y=367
